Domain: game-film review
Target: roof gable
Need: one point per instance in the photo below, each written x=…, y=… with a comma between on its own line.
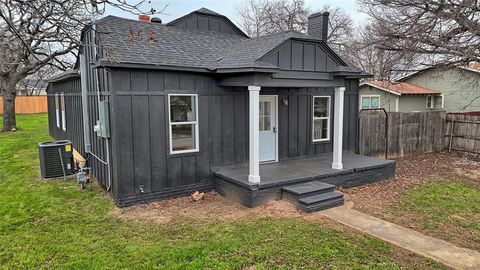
x=304, y=54
x=207, y=20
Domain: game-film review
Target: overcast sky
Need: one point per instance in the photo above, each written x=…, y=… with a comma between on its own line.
x=178, y=8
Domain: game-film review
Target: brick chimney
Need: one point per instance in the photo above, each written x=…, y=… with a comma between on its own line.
x=318, y=25
x=144, y=18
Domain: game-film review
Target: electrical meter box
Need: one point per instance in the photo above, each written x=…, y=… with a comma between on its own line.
x=103, y=124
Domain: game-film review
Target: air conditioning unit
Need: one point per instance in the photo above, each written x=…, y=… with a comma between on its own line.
x=56, y=159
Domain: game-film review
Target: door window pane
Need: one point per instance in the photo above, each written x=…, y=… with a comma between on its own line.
x=265, y=114
x=266, y=123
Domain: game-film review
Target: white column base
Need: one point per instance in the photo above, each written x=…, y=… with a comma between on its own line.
x=337, y=166
x=254, y=178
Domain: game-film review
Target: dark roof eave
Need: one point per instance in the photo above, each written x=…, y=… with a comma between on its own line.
x=247, y=70
x=352, y=75
x=103, y=64
x=64, y=76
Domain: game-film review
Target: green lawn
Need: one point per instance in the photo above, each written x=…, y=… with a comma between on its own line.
x=445, y=208
x=50, y=224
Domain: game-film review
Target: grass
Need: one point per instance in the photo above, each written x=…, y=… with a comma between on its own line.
x=446, y=208
x=51, y=225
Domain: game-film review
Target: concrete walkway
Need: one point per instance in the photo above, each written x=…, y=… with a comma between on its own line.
x=439, y=250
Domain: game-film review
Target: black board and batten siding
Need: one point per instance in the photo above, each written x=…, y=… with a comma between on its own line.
x=73, y=103
x=207, y=22
x=302, y=56
x=73, y=110
x=144, y=169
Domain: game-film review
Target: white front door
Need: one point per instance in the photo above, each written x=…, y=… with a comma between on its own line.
x=268, y=128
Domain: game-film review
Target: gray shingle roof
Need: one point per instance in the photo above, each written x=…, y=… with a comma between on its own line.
x=130, y=41
x=133, y=42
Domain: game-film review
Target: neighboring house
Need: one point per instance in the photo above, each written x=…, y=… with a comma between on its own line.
x=163, y=110
x=460, y=85
x=31, y=87
x=398, y=97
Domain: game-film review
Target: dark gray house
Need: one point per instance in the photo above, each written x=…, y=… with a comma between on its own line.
x=163, y=110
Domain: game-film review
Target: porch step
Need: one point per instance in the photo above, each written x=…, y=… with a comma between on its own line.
x=313, y=196
x=307, y=189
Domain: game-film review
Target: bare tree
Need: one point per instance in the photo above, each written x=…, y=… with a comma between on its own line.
x=262, y=17
x=340, y=27
x=383, y=64
x=35, y=84
x=448, y=31
x=39, y=33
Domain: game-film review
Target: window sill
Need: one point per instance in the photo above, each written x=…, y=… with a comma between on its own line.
x=184, y=153
x=322, y=141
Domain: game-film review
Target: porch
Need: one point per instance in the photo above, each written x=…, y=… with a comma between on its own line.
x=233, y=182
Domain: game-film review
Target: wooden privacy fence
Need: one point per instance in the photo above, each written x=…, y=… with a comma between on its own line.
x=463, y=132
x=28, y=104
x=407, y=133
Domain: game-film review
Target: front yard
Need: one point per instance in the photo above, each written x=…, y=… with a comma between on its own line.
x=436, y=194
x=52, y=225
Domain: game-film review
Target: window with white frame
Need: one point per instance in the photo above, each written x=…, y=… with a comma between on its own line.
x=62, y=107
x=430, y=102
x=57, y=109
x=370, y=101
x=321, y=118
x=183, y=121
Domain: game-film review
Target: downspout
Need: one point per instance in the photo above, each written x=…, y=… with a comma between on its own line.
x=83, y=82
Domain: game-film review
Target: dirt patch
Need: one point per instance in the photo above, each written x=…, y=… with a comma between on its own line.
x=212, y=207
x=410, y=172
x=378, y=199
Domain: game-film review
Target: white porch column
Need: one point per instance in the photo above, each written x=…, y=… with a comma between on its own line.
x=338, y=129
x=254, y=154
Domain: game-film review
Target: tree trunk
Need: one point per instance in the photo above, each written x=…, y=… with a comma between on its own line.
x=9, y=95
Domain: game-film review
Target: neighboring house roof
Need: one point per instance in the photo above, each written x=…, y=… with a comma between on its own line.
x=69, y=73
x=401, y=88
x=132, y=42
x=34, y=83
x=474, y=67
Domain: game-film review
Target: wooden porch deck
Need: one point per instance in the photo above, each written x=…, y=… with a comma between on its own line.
x=232, y=182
